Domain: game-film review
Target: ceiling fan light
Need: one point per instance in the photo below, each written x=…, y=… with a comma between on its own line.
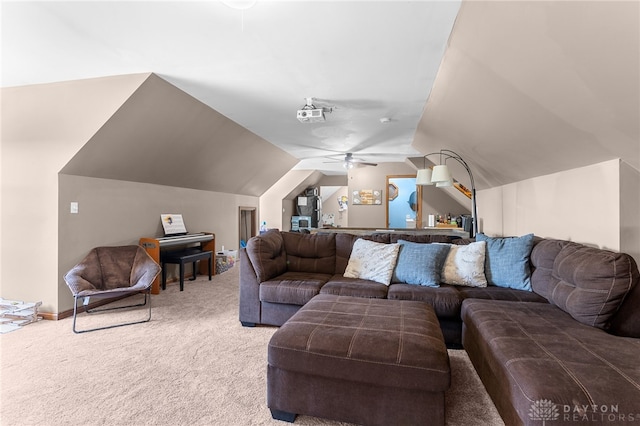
x=424, y=177
x=348, y=165
x=441, y=174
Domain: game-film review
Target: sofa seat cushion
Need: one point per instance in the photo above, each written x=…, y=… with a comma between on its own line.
x=292, y=288
x=528, y=353
x=445, y=300
x=501, y=293
x=344, y=286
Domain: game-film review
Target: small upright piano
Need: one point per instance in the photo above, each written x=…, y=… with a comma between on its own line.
x=153, y=245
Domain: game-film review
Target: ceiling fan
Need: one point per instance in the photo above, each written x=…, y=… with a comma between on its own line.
x=349, y=162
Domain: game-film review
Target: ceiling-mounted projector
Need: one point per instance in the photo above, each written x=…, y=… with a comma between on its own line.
x=311, y=115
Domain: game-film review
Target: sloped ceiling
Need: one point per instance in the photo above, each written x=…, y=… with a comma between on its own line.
x=531, y=88
x=526, y=88
x=164, y=136
x=367, y=59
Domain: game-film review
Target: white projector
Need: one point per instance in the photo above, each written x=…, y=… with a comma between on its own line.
x=315, y=115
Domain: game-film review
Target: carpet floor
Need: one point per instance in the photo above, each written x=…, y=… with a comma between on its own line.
x=192, y=364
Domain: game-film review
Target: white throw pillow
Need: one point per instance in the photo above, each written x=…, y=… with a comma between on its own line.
x=372, y=261
x=465, y=265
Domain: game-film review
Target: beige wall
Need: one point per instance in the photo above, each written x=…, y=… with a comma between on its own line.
x=440, y=201
x=276, y=204
x=630, y=210
x=115, y=212
x=330, y=206
x=434, y=200
x=50, y=127
x=363, y=216
x=581, y=205
x=43, y=126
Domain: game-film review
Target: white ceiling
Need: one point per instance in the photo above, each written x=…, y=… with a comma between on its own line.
x=523, y=88
x=367, y=60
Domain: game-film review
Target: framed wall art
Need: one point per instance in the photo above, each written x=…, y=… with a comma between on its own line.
x=367, y=197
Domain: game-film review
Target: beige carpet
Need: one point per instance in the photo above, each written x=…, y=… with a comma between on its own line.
x=193, y=364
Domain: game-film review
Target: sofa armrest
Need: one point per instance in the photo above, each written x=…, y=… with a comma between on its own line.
x=267, y=255
x=249, y=309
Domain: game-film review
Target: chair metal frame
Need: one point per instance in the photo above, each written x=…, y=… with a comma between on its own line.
x=147, y=294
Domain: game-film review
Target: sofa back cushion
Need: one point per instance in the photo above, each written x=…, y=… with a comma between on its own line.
x=543, y=256
x=590, y=283
x=420, y=238
x=267, y=255
x=626, y=322
x=315, y=253
x=344, y=245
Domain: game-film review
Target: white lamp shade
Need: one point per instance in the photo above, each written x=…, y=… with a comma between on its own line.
x=424, y=177
x=440, y=174
x=444, y=184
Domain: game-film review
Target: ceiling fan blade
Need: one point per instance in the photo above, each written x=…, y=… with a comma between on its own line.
x=363, y=163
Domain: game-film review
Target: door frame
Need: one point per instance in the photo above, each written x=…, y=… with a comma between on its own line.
x=418, y=199
x=253, y=225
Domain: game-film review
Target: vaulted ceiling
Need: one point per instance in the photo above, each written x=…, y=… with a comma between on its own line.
x=520, y=89
x=531, y=88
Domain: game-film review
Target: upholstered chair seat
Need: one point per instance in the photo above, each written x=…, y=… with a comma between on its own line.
x=110, y=272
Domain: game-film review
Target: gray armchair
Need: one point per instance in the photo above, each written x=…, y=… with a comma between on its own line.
x=110, y=272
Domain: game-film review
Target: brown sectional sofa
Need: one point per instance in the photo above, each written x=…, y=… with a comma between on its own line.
x=575, y=360
x=281, y=271
x=565, y=352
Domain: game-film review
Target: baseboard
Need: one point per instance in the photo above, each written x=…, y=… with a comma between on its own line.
x=52, y=316
x=69, y=313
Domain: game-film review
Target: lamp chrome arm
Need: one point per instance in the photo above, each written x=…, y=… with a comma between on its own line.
x=446, y=154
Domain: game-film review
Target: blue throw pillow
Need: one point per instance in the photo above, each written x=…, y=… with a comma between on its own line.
x=420, y=263
x=506, y=262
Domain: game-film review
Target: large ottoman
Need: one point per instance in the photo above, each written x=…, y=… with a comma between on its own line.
x=365, y=361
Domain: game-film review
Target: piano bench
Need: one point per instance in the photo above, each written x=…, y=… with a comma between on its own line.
x=185, y=256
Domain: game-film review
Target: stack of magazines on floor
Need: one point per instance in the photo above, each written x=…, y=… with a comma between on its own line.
x=14, y=314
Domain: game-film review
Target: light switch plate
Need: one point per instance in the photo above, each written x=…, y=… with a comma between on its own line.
x=74, y=207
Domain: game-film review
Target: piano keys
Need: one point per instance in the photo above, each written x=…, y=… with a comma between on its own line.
x=153, y=245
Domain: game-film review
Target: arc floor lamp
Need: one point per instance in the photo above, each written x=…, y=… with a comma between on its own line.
x=440, y=176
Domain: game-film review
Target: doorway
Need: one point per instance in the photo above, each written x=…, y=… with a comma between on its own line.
x=404, y=202
x=248, y=224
